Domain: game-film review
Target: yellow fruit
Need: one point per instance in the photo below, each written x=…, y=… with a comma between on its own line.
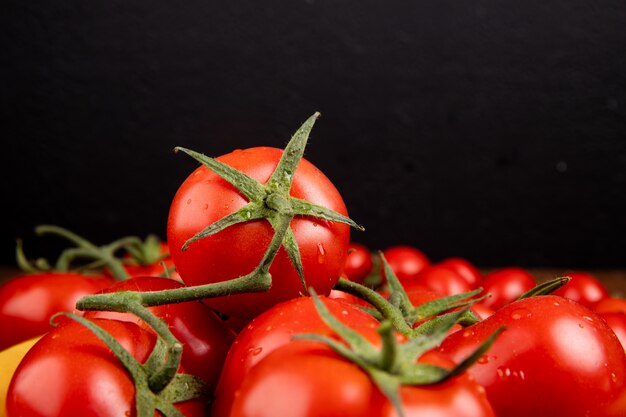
x=9, y=359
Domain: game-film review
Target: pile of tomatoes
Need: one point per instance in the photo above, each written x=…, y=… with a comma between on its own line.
x=260, y=303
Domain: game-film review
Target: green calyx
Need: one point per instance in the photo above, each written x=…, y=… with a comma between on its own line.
x=395, y=364
x=158, y=386
x=270, y=201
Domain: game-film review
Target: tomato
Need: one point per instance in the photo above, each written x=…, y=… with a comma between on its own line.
x=617, y=322
x=555, y=358
x=274, y=328
x=506, y=285
x=465, y=269
x=443, y=280
x=70, y=372
x=405, y=261
x=584, y=288
x=28, y=301
x=204, y=198
x=611, y=304
x=309, y=379
x=9, y=360
x=205, y=337
x=358, y=263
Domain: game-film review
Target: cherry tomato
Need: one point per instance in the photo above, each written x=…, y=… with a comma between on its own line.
x=583, y=288
x=204, y=198
x=465, y=269
x=274, y=328
x=358, y=263
x=311, y=380
x=617, y=322
x=70, y=372
x=28, y=301
x=506, y=285
x=555, y=358
x=443, y=280
x=205, y=337
x=405, y=261
x=611, y=304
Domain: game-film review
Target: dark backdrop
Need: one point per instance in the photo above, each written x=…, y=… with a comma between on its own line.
x=493, y=130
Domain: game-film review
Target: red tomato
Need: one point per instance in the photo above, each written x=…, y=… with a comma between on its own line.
x=70, y=372
x=274, y=328
x=358, y=263
x=405, y=261
x=617, y=322
x=311, y=380
x=443, y=280
x=506, y=285
x=610, y=305
x=205, y=337
x=204, y=198
x=28, y=301
x=465, y=269
x=583, y=288
x=555, y=358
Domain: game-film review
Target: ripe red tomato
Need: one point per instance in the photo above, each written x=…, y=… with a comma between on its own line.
x=583, y=288
x=555, y=358
x=274, y=328
x=311, y=380
x=204, y=198
x=617, y=322
x=506, y=285
x=610, y=305
x=465, y=269
x=442, y=279
x=28, y=301
x=405, y=261
x=70, y=372
x=205, y=337
x=358, y=263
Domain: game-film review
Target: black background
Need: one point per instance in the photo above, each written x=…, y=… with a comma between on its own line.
x=492, y=130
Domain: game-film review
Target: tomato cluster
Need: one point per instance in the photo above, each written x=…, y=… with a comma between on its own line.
x=259, y=303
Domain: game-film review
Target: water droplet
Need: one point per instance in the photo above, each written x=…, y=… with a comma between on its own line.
x=254, y=351
x=556, y=304
x=503, y=373
x=588, y=318
x=206, y=206
x=520, y=313
x=468, y=333
x=613, y=377
x=483, y=360
x=189, y=201
x=581, y=325
x=268, y=328
x=522, y=375
x=344, y=312
x=321, y=253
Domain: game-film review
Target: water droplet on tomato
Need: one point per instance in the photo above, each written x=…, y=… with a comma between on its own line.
x=588, y=318
x=321, y=253
x=344, y=312
x=189, y=201
x=468, y=333
x=520, y=313
x=206, y=206
x=254, y=351
x=483, y=359
x=613, y=377
x=556, y=304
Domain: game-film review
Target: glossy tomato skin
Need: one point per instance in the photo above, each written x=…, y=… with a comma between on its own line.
x=617, y=322
x=70, y=372
x=313, y=381
x=405, y=261
x=583, y=288
x=506, y=285
x=204, y=198
x=359, y=262
x=275, y=328
x=611, y=304
x=205, y=337
x=28, y=301
x=465, y=269
x=556, y=357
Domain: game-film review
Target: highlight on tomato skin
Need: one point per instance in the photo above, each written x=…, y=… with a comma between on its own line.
x=405, y=261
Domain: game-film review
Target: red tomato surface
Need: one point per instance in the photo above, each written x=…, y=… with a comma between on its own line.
x=274, y=328
x=443, y=280
x=70, y=372
x=610, y=305
x=583, y=288
x=405, y=261
x=617, y=322
x=204, y=198
x=358, y=263
x=28, y=301
x=506, y=285
x=465, y=269
x=555, y=358
x=205, y=337
x=311, y=380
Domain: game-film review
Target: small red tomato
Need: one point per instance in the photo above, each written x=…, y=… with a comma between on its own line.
x=405, y=261
x=205, y=337
x=358, y=263
x=443, y=280
x=28, y=301
x=610, y=305
x=506, y=285
x=465, y=269
x=583, y=288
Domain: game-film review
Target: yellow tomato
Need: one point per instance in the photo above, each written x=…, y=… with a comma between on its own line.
x=9, y=359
